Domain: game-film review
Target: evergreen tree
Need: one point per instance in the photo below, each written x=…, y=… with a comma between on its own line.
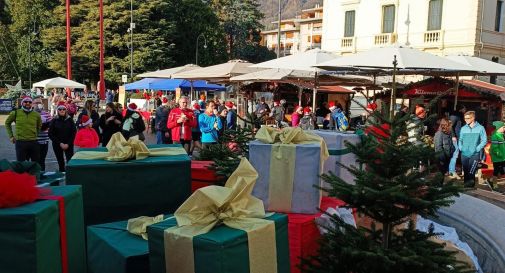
x=389, y=187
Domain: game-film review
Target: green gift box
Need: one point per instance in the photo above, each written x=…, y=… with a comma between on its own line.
x=222, y=250
x=112, y=249
x=30, y=235
x=115, y=191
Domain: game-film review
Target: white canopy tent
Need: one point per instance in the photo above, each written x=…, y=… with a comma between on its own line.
x=304, y=61
x=57, y=82
x=168, y=73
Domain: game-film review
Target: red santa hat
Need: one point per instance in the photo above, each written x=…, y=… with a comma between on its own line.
x=307, y=110
x=132, y=107
x=229, y=104
x=26, y=99
x=164, y=100
x=85, y=121
x=276, y=102
x=196, y=106
x=371, y=106
x=331, y=105
x=61, y=105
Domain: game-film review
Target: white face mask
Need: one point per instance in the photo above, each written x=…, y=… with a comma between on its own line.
x=40, y=106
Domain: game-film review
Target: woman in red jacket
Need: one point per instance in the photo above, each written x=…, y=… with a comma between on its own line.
x=180, y=121
x=86, y=137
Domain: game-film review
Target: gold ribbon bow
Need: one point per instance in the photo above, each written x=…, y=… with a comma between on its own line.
x=282, y=162
x=138, y=226
x=231, y=205
x=120, y=149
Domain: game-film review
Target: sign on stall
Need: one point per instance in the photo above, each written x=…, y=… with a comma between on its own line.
x=5, y=105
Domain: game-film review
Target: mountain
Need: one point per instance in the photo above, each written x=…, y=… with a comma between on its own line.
x=290, y=8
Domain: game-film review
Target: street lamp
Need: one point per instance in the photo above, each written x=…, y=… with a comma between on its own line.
x=204, y=46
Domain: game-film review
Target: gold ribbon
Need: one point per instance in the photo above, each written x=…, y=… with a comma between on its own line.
x=120, y=149
x=282, y=161
x=138, y=226
x=232, y=205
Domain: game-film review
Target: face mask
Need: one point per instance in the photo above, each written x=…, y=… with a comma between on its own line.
x=40, y=106
x=26, y=109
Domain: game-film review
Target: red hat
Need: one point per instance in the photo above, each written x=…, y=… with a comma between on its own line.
x=276, y=102
x=26, y=98
x=196, y=106
x=85, y=121
x=61, y=105
x=229, y=104
x=164, y=100
x=132, y=106
x=331, y=105
x=372, y=106
x=306, y=110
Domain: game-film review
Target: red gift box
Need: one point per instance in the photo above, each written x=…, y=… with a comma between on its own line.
x=303, y=234
x=201, y=176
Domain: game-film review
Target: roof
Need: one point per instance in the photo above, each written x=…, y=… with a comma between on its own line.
x=335, y=89
x=484, y=86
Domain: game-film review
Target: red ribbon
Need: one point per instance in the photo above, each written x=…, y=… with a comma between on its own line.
x=63, y=229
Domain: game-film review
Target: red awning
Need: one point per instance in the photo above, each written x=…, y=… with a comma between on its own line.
x=467, y=88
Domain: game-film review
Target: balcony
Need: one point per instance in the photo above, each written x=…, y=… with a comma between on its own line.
x=347, y=43
x=434, y=38
x=385, y=39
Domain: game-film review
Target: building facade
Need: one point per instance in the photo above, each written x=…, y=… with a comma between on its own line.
x=297, y=34
x=441, y=27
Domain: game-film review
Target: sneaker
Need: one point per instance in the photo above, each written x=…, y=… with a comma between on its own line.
x=454, y=176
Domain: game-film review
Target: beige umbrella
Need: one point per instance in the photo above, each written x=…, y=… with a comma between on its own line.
x=168, y=73
x=219, y=72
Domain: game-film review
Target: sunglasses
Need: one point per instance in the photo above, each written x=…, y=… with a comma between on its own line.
x=62, y=109
x=28, y=102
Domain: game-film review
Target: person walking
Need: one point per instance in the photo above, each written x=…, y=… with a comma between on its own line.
x=160, y=122
x=43, y=136
x=110, y=122
x=180, y=122
x=471, y=142
x=62, y=134
x=209, y=124
x=443, y=145
x=133, y=125
x=86, y=137
x=28, y=125
x=497, y=152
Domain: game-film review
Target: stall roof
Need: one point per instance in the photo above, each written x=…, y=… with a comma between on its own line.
x=335, y=89
x=486, y=87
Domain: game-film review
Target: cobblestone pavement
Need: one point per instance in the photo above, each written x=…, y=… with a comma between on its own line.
x=7, y=150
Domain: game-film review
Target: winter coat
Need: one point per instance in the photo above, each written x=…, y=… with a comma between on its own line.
x=231, y=120
x=295, y=119
x=472, y=140
x=133, y=126
x=161, y=118
x=94, y=116
x=86, y=138
x=209, y=133
x=497, y=151
x=183, y=128
x=28, y=124
x=62, y=130
x=278, y=113
x=443, y=144
x=109, y=127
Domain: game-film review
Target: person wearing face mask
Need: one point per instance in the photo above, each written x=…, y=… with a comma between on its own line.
x=28, y=124
x=43, y=137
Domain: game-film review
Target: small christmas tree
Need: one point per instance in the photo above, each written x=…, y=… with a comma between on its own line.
x=394, y=180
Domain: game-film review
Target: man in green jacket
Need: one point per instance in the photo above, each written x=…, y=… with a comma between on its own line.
x=497, y=151
x=28, y=124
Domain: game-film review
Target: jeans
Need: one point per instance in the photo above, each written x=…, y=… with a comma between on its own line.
x=159, y=137
x=470, y=166
x=454, y=158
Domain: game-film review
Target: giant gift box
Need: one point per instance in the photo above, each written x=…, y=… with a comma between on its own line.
x=201, y=175
x=112, y=249
x=31, y=238
x=221, y=230
x=114, y=191
x=289, y=165
x=339, y=153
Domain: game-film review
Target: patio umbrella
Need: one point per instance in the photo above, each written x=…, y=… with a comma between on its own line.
x=484, y=66
x=219, y=72
x=167, y=73
x=304, y=61
x=402, y=60
x=58, y=82
x=273, y=74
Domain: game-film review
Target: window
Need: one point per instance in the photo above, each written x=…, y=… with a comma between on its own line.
x=435, y=15
x=388, y=19
x=497, y=22
x=349, y=23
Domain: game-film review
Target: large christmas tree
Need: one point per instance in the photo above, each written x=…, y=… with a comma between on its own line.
x=393, y=182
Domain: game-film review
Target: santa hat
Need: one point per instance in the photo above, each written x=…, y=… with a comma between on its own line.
x=132, y=107
x=164, y=100
x=371, y=107
x=276, y=102
x=228, y=104
x=61, y=105
x=306, y=110
x=85, y=121
x=196, y=106
x=25, y=99
x=331, y=105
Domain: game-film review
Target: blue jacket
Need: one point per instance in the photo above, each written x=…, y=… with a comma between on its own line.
x=472, y=140
x=206, y=123
x=231, y=120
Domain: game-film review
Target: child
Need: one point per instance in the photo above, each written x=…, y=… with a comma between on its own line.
x=497, y=151
x=86, y=137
